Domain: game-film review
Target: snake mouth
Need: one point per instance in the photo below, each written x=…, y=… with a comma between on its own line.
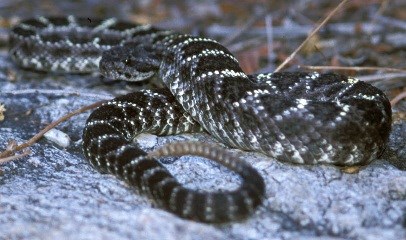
x=130, y=77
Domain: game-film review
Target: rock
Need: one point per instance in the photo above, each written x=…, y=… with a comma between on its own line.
x=54, y=193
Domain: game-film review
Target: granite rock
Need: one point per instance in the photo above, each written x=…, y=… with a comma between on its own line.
x=54, y=193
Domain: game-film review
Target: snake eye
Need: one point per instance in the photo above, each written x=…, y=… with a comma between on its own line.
x=128, y=61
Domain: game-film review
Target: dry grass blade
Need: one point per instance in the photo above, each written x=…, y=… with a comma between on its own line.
x=291, y=56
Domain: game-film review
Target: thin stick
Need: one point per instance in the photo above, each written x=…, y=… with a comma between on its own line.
x=25, y=153
x=353, y=68
x=396, y=99
x=245, y=28
x=392, y=22
x=269, y=38
x=9, y=152
x=242, y=45
x=56, y=93
x=376, y=77
x=291, y=56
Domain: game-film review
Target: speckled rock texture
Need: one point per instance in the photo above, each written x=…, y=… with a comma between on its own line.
x=55, y=194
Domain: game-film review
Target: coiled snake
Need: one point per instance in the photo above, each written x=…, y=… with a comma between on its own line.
x=293, y=117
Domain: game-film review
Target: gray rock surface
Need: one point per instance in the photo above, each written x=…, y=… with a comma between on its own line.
x=55, y=194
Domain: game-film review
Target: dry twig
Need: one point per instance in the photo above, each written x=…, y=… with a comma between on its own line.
x=396, y=99
x=291, y=56
x=25, y=153
x=56, y=92
x=7, y=155
x=338, y=68
x=246, y=27
x=376, y=77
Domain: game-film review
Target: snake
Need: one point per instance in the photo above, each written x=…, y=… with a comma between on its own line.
x=294, y=117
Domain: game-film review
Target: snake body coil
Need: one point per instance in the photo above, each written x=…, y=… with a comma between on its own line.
x=294, y=117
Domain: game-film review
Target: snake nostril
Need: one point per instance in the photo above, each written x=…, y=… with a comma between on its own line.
x=127, y=75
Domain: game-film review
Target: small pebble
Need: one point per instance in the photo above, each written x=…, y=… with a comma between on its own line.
x=58, y=137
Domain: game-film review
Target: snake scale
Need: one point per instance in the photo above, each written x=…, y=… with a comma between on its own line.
x=301, y=118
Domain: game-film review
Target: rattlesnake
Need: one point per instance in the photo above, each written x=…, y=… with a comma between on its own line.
x=296, y=117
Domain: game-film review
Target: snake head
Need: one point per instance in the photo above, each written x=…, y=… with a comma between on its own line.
x=130, y=62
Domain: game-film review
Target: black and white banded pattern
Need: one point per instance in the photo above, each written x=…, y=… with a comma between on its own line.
x=299, y=118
